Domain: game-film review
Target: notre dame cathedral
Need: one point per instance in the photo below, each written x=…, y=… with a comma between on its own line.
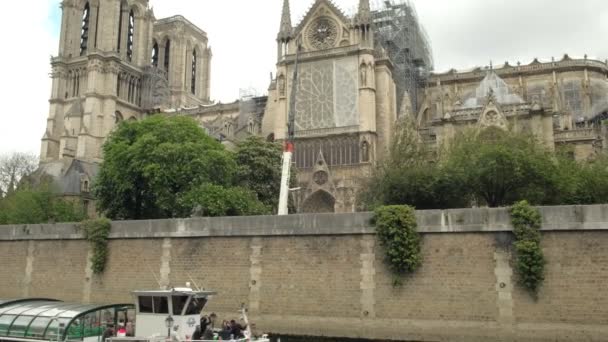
x=357, y=76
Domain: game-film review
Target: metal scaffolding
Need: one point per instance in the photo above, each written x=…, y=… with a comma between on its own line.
x=398, y=31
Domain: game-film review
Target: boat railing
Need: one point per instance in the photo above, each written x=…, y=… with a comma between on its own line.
x=166, y=339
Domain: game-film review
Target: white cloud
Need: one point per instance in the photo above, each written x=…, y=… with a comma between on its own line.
x=242, y=34
x=25, y=87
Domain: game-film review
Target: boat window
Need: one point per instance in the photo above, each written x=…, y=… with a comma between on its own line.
x=19, y=326
x=5, y=323
x=75, y=330
x=145, y=305
x=195, y=306
x=161, y=305
x=38, y=326
x=92, y=324
x=51, y=331
x=178, y=304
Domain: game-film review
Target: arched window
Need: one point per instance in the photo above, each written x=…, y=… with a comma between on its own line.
x=167, y=55
x=130, y=35
x=123, y=8
x=84, y=32
x=155, y=55
x=193, y=81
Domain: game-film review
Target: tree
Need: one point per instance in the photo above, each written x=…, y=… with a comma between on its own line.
x=210, y=200
x=153, y=168
x=411, y=175
x=499, y=168
x=488, y=167
x=13, y=168
x=259, y=169
x=28, y=205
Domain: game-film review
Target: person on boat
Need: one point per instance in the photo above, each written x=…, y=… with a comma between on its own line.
x=226, y=331
x=122, y=331
x=130, y=329
x=208, y=322
x=198, y=334
x=236, y=329
x=108, y=333
x=208, y=334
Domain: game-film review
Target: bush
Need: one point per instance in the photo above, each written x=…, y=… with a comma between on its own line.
x=530, y=261
x=396, y=229
x=97, y=232
x=38, y=205
x=530, y=264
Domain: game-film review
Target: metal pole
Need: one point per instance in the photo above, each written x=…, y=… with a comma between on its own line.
x=289, y=147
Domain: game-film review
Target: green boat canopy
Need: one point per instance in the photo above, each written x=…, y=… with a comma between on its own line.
x=45, y=319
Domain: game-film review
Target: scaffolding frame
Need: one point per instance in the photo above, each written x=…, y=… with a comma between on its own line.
x=399, y=33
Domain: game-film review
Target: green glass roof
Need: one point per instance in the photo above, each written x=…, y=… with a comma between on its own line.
x=39, y=319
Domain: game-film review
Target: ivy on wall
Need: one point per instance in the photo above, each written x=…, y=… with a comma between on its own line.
x=96, y=232
x=529, y=258
x=397, y=231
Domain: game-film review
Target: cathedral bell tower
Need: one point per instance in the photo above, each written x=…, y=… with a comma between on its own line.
x=97, y=75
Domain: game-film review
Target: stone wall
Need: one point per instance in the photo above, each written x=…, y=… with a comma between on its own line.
x=323, y=275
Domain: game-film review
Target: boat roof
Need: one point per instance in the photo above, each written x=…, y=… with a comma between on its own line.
x=39, y=318
x=175, y=291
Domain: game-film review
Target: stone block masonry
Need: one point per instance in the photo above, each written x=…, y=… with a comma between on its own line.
x=324, y=275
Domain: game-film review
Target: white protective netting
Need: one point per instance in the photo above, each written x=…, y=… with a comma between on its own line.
x=500, y=89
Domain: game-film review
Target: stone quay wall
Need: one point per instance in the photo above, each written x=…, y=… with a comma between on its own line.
x=324, y=275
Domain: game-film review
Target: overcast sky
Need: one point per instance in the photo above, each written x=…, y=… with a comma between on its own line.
x=463, y=34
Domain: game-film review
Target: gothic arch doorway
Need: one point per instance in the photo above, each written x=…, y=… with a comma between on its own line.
x=319, y=202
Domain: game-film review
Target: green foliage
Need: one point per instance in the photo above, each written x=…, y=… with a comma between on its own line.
x=530, y=261
x=530, y=264
x=38, y=205
x=526, y=222
x=214, y=200
x=410, y=175
x=259, y=169
x=97, y=232
x=490, y=167
x=396, y=229
x=581, y=182
x=151, y=165
x=498, y=168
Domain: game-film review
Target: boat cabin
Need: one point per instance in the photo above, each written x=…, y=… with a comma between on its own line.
x=160, y=312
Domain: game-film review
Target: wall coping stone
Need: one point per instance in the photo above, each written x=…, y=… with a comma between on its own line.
x=476, y=220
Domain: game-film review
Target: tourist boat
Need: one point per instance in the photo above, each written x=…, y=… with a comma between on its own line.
x=156, y=316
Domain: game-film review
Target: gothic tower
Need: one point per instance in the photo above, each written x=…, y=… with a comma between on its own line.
x=96, y=76
x=344, y=102
x=115, y=63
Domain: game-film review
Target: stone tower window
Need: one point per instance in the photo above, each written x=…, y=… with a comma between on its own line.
x=167, y=55
x=130, y=35
x=155, y=55
x=193, y=81
x=84, y=32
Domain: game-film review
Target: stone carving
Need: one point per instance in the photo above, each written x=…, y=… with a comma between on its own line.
x=363, y=72
x=323, y=33
x=365, y=152
x=320, y=177
x=155, y=89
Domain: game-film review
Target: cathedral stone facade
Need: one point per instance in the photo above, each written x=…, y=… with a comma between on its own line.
x=117, y=62
x=563, y=102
